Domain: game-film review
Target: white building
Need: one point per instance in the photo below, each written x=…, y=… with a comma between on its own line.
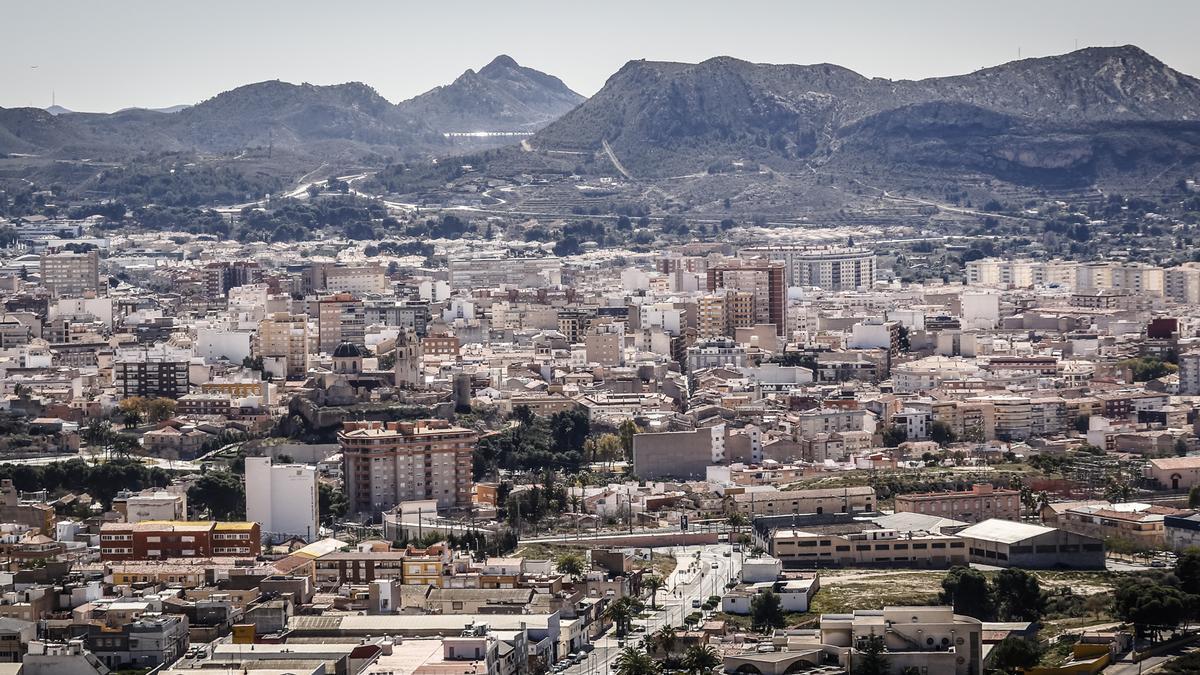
x=215, y=344
x=282, y=498
x=980, y=310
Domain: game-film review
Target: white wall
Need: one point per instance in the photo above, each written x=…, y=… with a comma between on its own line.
x=282, y=498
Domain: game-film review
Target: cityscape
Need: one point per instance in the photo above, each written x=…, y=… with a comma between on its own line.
x=724, y=367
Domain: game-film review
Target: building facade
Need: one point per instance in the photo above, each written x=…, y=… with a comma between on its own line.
x=385, y=464
x=282, y=498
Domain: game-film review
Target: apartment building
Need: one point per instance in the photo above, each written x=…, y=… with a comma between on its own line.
x=221, y=277
x=1189, y=373
x=160, y=539
x=497, y=271
x=358, y=567
x=678, y=454
x=151, y=372
x=385, y=464
x=981, y=502
x=285, y=336
x=967, y=421
x=1011, y=414
x=763, y=281
x=71, y=274
x=135, y=507
x=831, y=268
x=1182, y=283
x=282, y=498
x=340, y=318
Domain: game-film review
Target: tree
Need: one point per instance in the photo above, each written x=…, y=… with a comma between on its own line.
x=1194, y=497
x=873, y=658
x=653, y=584
x=1018, y=596
x=621, y=612
x=893, y=437
x=1187, y=570
x=1014, y=654
x=570, y=564
x=221, y=493
x=766, y=611
x=968, y=591
x=700, y=659
x=632, y=661
x=941, y=433
x=1149, y=605
x=569, y=429
x=160, y=409
x=665, y=640
x=132, y=419
x=332, y=503
x=627, y=431
x=1082, y=423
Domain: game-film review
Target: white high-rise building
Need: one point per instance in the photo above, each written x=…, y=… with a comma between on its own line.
x=282, y=499
x=835, y=268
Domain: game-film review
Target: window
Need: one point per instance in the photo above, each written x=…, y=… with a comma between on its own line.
x=937, y=544
x=957, y=544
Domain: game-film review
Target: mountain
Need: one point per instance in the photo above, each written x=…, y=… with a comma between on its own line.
x=166, y=111
x=502, y=96
x=327, y=122
x=1066, y=119
x=58, y=110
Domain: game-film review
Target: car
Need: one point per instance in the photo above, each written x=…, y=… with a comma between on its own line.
x=737, y=547
x=726, y=554
x=696, y=603
x=716, y=566
x=1158, y=563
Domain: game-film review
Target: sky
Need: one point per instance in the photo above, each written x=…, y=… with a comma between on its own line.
x=104, y=56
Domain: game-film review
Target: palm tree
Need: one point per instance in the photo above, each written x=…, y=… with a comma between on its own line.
x=631, y=661
x=621, y=613
x=666, y=639
x=701, y=659
x=653, y=584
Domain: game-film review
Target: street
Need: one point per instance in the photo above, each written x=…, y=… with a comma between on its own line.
x=692, y=584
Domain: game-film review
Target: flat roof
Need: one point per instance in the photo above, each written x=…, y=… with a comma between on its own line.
x=1004, y=531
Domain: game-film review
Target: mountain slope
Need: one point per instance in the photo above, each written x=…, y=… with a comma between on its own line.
x=1022, y=120
x=502, y=96
x=320, y=121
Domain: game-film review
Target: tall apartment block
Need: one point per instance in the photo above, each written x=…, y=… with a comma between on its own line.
x=386, y=463
x=285, y=335
x=340, y=318
x=761, y=282
x=71, y=274
x=151, y=372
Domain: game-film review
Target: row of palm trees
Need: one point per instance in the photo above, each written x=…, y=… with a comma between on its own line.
x=697, y=659
x=634, y=661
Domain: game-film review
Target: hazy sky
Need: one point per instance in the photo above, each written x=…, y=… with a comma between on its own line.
x=112, y=54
